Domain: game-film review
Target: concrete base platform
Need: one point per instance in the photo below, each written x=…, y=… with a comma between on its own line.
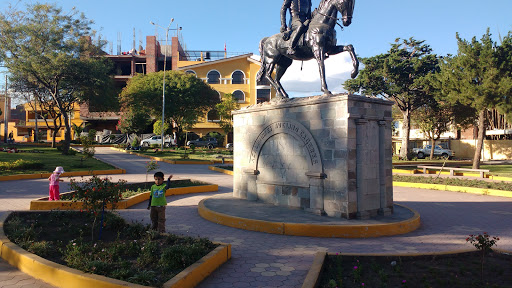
x=264, y=217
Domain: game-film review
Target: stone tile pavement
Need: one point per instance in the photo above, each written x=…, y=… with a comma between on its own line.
x=267, y=260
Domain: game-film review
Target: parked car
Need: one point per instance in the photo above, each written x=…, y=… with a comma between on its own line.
x=209, y=142
x=168, y=142
x=438, y=151
x=229, y=146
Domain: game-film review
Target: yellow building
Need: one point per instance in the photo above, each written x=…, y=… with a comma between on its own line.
x=235, y=75
x=26, y=131
x=225, y=73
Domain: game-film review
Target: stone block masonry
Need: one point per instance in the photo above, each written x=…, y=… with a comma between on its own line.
x=324, y=154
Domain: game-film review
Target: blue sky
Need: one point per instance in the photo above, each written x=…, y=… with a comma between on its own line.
x=208, y=24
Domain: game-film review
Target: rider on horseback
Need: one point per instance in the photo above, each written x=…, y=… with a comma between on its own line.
x=300, y=11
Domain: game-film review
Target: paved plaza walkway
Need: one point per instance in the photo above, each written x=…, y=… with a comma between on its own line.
x=269, y=260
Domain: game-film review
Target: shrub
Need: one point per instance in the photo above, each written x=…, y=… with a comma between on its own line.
x=20, y=164
x=96, y=194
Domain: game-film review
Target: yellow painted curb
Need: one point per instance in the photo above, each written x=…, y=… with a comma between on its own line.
x=403, y=171
x=44, y=204
x=312, y=230
x=62, y=276
x=499, y=178
x=472, y=190
x=65, y=174
x=210, y=162
x=313, y=276
x=225, y=171
x=198, y=271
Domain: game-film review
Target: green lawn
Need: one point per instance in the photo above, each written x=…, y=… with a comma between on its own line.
x=49, y=159
x=496, y=170
x=199, y=154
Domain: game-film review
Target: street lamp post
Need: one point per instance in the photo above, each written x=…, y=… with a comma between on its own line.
x=163, y=85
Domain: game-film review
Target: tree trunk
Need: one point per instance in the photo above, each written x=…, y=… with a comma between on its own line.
x=54, y=135
x=481, y=137
x=406, y=130
x=55, y=130
x=432, y=147
x=67, y=134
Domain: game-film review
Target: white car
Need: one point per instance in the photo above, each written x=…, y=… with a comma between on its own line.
x=438, y=151
x=169, y=141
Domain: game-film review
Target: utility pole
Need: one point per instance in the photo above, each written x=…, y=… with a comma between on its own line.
x=6, y=128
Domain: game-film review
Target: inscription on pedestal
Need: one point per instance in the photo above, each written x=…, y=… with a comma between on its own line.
x=293, y=128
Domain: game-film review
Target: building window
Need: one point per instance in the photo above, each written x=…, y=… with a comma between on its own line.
x=220, y=95
x=213, y=116
x=237, y=77
x=263, y=95
x=263, y=82
x=239, y=96
x=213, y=77
x=191, y=72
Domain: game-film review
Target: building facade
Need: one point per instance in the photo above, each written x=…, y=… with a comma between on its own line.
x=235, y=74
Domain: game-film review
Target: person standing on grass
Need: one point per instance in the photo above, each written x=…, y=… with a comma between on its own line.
x=157, y=202
x=54, y=183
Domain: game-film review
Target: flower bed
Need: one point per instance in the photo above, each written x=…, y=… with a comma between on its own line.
x=126, y=195
x=128, y=252
x=450, y=270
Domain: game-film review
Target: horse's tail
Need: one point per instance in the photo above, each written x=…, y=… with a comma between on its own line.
x=261, y=73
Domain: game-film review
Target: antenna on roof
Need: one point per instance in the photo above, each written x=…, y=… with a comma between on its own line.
x=118, y=43
x=134, y=39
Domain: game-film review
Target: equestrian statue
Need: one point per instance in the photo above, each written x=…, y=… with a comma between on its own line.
x=310, y=35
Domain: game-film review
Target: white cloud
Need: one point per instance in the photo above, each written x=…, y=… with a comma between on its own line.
x=306, y=82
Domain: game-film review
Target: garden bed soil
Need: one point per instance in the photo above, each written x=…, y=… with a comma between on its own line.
x=128, y=252
x=452, y=270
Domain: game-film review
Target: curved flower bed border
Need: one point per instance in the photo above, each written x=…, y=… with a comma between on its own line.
x=62, y=276
x=44, y=204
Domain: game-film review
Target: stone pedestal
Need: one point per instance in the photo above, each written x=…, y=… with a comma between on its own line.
x=327, y=155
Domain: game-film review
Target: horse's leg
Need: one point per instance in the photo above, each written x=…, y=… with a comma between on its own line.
x=350, y=49
x=281, y=67
x=268, y=74
x=319, y=54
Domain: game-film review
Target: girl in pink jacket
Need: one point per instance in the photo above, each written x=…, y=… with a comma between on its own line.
x=54, y=183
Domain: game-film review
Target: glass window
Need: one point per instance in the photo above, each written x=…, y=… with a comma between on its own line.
x=213, y=77
x=263, y=95
x=213, y=116
x=238, y=77
x=239, y=96
x=191, y=72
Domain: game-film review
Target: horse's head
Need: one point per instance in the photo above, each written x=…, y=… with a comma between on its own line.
x=346, y=8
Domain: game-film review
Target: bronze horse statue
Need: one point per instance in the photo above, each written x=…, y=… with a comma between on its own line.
x=317, y=42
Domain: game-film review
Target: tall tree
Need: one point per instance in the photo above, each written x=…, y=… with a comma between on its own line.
x=51, y=50
x=438, y=114
x=186, y=97
x=397, y=76
x=41, y=103
x=134, y=122
x=479, y=76
x=224, y=108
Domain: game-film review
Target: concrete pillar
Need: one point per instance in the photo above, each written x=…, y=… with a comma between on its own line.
x=316, y=192
x=383, y=210
x=361, y=187
x=252, y=190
